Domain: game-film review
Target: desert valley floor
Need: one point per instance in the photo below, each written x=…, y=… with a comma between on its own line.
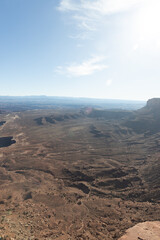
x=75, y=174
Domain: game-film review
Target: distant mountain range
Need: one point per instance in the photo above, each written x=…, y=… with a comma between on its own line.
x=12, y=103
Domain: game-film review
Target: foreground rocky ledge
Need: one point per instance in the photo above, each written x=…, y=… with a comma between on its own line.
x=143, y=231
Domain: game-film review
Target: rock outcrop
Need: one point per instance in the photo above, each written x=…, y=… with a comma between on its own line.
x=146, y=119
x=153, y=104
x=143, y=231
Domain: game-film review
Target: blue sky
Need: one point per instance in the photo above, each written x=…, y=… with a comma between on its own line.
x=80, y=48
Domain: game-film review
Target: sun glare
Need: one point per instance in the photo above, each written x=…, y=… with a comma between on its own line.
x=146, y=25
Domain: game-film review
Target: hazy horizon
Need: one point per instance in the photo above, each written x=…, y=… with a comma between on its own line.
x=77, y=97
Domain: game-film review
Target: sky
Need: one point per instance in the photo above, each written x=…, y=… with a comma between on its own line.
x=80, y=48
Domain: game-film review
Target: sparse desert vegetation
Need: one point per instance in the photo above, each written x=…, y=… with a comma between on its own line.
x=77, y=174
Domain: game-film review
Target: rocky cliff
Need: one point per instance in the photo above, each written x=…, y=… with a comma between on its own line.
x=146, y=119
